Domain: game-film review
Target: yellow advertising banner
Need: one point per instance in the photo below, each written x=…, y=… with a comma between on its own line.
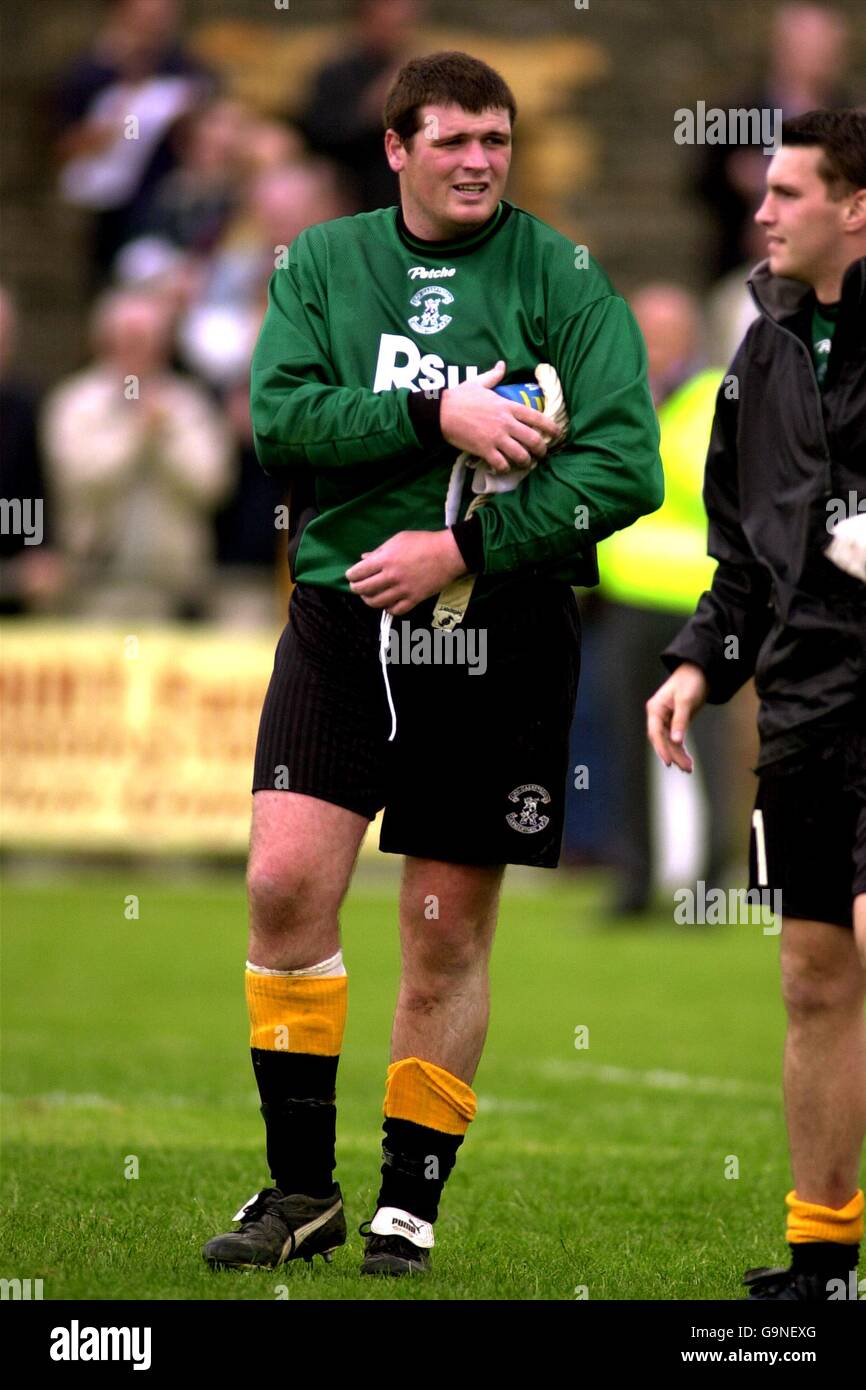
x=143, y=741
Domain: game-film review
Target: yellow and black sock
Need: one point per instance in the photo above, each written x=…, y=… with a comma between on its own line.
x=824, y=1240
x=296, y=1033
x=427, y=1114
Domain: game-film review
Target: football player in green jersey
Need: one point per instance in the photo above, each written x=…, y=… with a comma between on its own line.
x=373, y=386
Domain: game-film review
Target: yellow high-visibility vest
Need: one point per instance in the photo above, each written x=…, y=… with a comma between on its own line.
x=661, y=561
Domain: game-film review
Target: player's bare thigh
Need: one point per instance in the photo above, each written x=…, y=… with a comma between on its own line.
x=447, y=915
x=302, y=853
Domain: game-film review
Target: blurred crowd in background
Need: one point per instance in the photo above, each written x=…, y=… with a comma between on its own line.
x=155, y=507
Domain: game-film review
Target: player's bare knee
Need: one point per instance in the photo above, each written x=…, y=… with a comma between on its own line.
x=811, y=991
x=427, y=991
x=437, y=964
x=282, y=892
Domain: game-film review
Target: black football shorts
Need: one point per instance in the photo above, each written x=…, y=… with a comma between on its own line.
x=809, y=830
x=477, y=772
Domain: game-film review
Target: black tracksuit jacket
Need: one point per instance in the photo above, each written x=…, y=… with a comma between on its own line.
x=782, y=455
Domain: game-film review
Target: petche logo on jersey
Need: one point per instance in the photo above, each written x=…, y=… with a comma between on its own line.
x=401, y=364
x=420, y=272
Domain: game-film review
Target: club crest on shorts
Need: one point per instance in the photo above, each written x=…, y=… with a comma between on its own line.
x=528, y=820
x=432, y=297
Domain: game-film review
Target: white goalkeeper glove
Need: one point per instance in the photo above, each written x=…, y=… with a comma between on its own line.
x=486, y=480
x=847, y=548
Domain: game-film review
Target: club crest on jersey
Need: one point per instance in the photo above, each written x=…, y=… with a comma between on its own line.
x=432, y=297
x=528, y=820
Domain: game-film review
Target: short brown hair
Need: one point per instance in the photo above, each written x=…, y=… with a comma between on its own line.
x=841, y=136
x=444, y=79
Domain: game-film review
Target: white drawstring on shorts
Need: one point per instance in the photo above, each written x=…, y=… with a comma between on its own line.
x=384, y=639
x=452, y=602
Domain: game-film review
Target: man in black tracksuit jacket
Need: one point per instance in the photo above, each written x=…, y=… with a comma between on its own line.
x=776, y=462
x=787, y=460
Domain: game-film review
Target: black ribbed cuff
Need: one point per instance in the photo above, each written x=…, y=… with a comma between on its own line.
x=470, y=542
x=424, y=415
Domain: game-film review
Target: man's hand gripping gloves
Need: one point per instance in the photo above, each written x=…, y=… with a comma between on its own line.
x=546, y=397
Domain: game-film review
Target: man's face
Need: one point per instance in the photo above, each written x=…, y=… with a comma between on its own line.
x=804, y=226
x=668, y=319
x=453, y=173
x=137, y=334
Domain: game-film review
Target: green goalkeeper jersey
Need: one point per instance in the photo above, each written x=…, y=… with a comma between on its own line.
x=366, y=325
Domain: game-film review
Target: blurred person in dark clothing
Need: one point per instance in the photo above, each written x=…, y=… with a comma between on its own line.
x=651, y=577
x=192, y=205
x=31, y=571
x=136, y=68
x=248, y=529
x=217, y=333
x=809, y=46
x=344, y=117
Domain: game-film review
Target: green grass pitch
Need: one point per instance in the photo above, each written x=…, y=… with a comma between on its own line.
x=597, y=1171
